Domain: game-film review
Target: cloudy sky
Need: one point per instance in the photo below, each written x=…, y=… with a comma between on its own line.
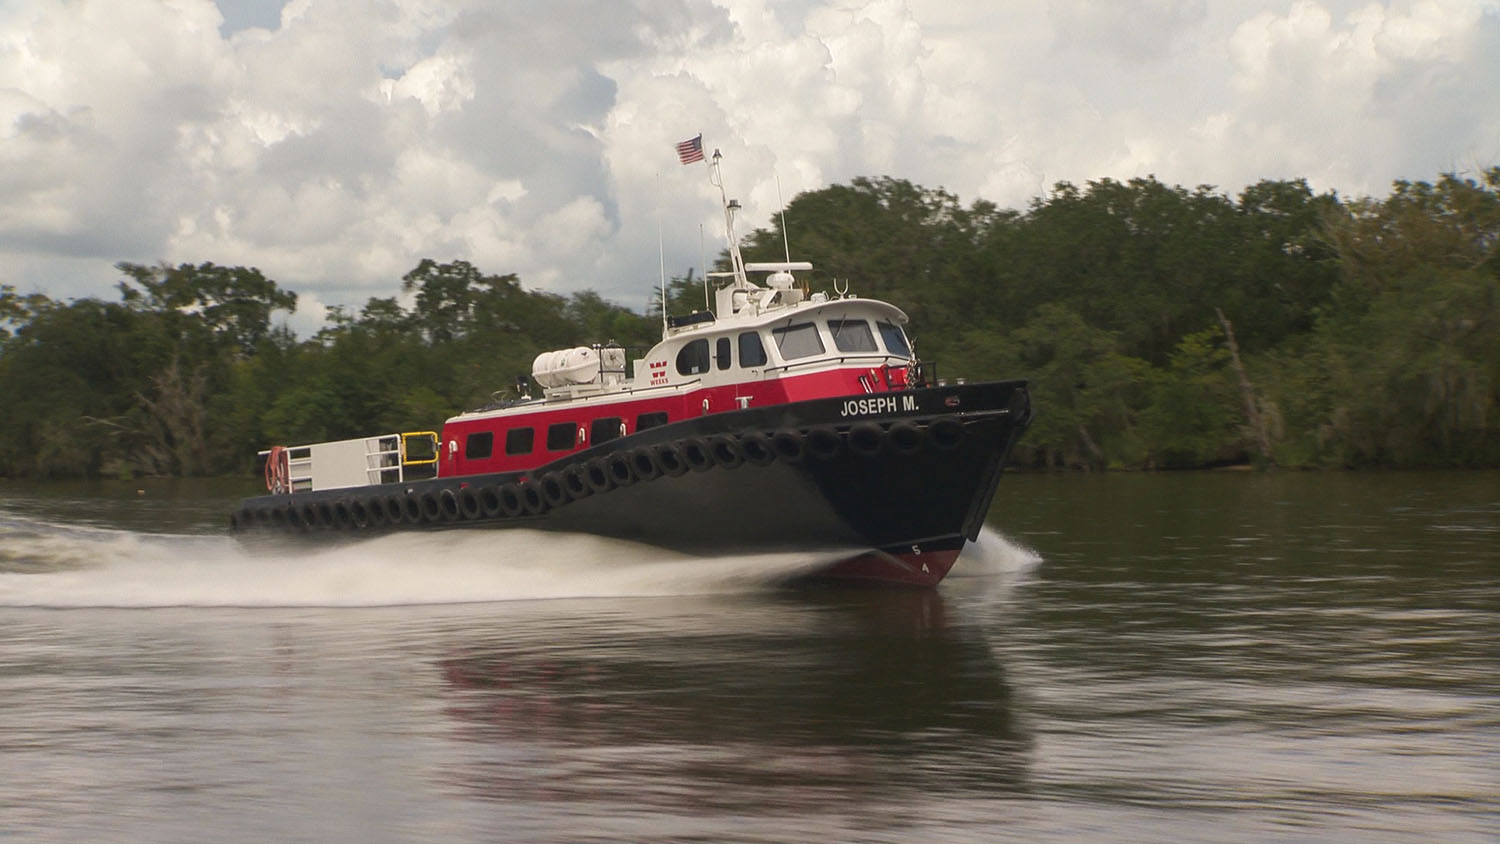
x=335, y=143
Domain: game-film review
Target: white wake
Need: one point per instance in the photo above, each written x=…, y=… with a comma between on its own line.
x=45, y=565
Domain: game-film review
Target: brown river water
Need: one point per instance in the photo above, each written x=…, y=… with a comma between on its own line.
x=1127, y=657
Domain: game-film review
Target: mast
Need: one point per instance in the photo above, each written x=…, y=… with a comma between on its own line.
x=737, y=263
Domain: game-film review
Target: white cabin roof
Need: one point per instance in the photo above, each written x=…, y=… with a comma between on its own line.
x=808, y=309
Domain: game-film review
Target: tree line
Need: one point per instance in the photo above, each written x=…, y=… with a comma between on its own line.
x=1161, y=327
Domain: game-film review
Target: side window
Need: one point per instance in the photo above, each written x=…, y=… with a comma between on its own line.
x=895, y=340
x=560, y=436
x=479, y=446
x=852, y=335
x=721, y=353
x=650, y=420
x=604, y=429
x=693, y=359
x=752, y=353
x=797, y=341
x=519, y=440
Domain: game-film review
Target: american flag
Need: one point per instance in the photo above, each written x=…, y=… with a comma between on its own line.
x=690, y=150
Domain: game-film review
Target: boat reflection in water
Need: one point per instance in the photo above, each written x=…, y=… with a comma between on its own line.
x=765, y=703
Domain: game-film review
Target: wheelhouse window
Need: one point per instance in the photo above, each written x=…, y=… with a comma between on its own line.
x=797, y=341
x=560, y=436
x=852, y=335
x=650, y=420
x=752, y=353
x=520, y=440
x=693, y=359
x=722, y=349
x=479, y=445
x=895, y=339
x=604, y=429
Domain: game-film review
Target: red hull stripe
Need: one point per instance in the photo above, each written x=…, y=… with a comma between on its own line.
x=677, y=406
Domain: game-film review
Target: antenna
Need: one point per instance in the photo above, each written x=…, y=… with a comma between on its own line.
x=662, y=255
x=703, y=267
x=786, y=238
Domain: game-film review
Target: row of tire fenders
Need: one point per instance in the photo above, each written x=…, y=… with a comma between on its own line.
x=619, y=469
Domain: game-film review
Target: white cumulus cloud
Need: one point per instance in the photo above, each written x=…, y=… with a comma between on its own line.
x=335, y=143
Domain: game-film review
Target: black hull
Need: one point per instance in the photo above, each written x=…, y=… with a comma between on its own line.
x=885, y=471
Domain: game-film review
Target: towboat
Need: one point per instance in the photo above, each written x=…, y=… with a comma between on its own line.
x=780, y=419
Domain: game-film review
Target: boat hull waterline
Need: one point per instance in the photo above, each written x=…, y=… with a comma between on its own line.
x=908, y=475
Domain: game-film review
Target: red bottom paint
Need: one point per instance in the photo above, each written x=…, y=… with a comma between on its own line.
x=924, y=568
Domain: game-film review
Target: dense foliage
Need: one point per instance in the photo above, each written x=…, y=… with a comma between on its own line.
x=1161, y=327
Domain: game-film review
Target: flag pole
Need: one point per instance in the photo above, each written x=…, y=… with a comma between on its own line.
x=689, y=152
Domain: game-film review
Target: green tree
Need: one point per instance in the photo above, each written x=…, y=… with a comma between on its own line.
x=1363, y=331
x=1193, y=418
x=1087, y=393
x=445, y=295
x=234, y=303
x=12, y=310
x=1403, y=367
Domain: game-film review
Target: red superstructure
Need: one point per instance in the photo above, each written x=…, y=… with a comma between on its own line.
x=785, y=353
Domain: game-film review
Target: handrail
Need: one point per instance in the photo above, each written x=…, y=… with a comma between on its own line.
x=826, y=360
x=431, y=436
x=923, y=373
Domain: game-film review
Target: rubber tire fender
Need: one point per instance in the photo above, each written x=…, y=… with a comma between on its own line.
x=788, y=446
x=554, y=491
x=411, y=504
x=727, y=452
x=395, y=508
x=374, y=511
x=532, y=499
x=448, y=500
x=432, y=507
x=823, y=443
x=468, y=503
x=757, y=449
x=489, y=502
x=621, y=472
x=696, y=454
x=905, y=439
x=575, y=480
x=947, y=433
x=866, y=439
x=359, y=516
x=643, y=461
x=669, y=458
x=511, y=502
x=597, y=475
